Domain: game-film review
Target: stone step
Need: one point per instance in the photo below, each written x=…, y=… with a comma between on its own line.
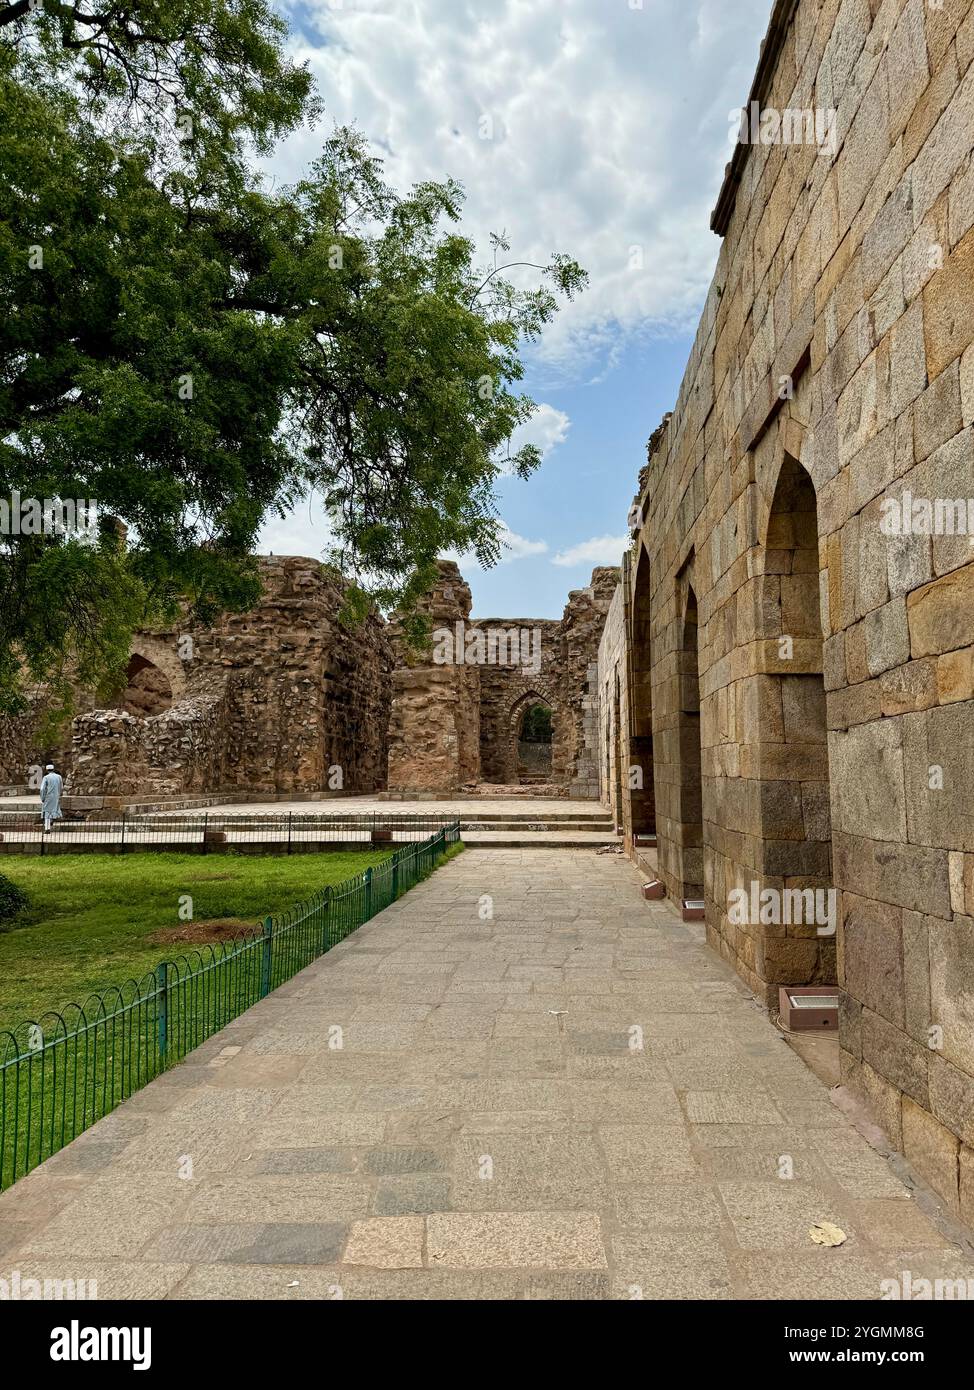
x=538, y=839
x=505, y=820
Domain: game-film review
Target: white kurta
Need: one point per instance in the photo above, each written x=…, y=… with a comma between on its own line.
x=51, y=796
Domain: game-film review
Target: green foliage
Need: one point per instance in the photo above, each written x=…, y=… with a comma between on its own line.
x=12, y=900
x=536, y=726
x=194, y=352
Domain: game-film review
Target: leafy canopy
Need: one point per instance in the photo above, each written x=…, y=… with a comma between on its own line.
x=192, y=350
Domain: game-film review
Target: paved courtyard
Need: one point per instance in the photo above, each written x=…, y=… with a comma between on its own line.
x=520, y=1081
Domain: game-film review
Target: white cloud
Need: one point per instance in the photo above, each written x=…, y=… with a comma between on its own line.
x=600, y=550
x=515, y=547
x=547, y=428
x=607, y=132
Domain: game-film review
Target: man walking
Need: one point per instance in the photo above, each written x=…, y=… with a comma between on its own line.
x=51, y=796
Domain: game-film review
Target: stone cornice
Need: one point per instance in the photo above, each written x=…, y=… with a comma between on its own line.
x=781, y=17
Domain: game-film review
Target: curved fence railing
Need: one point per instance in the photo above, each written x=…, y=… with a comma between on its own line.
x=62, y=1073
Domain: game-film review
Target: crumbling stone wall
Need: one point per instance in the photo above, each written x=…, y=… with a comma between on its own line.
x=800, y=744
x=434, y=729
x=23, y=749
x=457, y=707
x=509, y=688
x=578, y=681
x=281, y=701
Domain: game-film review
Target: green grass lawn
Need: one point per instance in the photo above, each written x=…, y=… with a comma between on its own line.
x=90, y=915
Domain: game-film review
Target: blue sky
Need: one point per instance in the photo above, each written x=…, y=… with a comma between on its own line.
x=584, y=488
x=596, y=127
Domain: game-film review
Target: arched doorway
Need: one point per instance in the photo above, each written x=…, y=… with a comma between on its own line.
x=690, y=791
x=639, y=775
x=147, y=689
x=534, y=726
x=794, y=759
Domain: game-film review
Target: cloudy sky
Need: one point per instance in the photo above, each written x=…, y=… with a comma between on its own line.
x=595, y=127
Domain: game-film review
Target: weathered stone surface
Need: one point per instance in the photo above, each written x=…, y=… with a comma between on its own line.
x=874, y=956
x=932, y=1149
x=909, y=876
x=857, y=274
x=457, y=709
x=941, y=614
x=887, y=637
x=892, y=1054
x=867, y=782
x=951, y=998
x=948, y=300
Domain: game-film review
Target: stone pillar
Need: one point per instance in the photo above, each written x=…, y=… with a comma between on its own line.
x=434, y=733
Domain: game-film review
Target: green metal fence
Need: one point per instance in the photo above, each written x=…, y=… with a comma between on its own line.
x=64, y=1072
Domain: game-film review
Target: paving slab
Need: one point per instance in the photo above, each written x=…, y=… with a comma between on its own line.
x=546, y=1088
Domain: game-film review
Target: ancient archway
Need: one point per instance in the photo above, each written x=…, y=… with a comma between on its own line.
x=161, y=653
x=533, y=741
x=532, y=731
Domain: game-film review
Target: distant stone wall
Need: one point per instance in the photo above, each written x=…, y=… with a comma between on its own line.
x=434, y=728
x=304, y=693
x=581, y=632
x=21, y=749
x=458, y=707
x=613, y=708
x=281, y=701
x=28, y=743
x=509, y=688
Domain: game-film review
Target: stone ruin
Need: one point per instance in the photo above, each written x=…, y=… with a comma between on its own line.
x=287, y=702
x=458, y=709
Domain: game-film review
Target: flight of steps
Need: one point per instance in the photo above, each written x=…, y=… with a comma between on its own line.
x=529, y=829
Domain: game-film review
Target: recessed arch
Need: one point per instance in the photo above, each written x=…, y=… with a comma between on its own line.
x=793, y=758
x=162, y=653
x=638, y=775
x=533, y=735
x=690, y=788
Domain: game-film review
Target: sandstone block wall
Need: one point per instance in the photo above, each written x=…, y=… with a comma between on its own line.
x=810, y=691
x=614, y=733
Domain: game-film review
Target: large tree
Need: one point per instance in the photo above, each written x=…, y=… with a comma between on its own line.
x=191, y=351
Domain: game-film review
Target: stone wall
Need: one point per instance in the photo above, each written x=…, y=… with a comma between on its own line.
x=581, y=632
x=810, y=689
x=283, y=701
x=434, y=730
x=457, y=707
x=508, y=689
x=613, y=731
x=25, y=747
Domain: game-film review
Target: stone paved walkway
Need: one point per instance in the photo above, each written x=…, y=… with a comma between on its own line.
x=489, y=1128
